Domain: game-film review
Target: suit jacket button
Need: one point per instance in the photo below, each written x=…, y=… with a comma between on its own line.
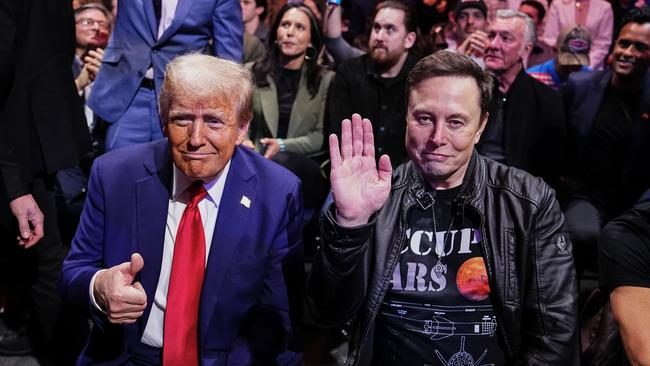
x=140, y=74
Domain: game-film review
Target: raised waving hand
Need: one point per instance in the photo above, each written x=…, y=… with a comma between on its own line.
x=359, y=185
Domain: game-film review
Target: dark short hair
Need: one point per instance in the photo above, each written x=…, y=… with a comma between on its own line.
x=447, y=63
x=541, y=12
x=261, y=4
x=637, y=15
x=410, y=20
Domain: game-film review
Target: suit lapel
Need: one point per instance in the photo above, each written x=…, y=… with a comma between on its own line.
x=231, y=223
x=182, y=9
x=150, y=17
x=152, y=199
x=269, y=101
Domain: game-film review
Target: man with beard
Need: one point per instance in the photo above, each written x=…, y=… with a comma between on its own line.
x=526, y=125
x=373, y=84
x=608, y=113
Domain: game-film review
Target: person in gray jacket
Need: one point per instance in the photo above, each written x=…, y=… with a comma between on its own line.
x=451, y=256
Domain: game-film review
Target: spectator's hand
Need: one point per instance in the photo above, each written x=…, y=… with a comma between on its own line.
x=248, y=143
x=475, y=44
x=30, y=220
x=93, y=61
x=115, y=293
x=359, y=187
x=272, y=147
x=83, y=79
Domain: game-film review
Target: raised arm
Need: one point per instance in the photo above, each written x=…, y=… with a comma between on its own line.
x=359, y=186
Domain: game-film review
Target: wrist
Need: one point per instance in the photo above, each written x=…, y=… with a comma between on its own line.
x=281, y=145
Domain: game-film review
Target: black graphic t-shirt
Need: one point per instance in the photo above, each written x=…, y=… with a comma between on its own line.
x=437, y=310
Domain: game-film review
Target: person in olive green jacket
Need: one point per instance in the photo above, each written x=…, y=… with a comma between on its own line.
x=289, y=98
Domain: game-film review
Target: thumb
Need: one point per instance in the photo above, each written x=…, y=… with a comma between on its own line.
x=137, y=263
x=23, y=227
x=385, y=168
x=265, y=140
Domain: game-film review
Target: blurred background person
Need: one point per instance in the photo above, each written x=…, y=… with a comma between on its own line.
x=595, y=15
x=541, y=51
x=289, y=98
x=573, y=44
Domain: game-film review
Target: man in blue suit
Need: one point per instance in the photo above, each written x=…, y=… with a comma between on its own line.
x=123, y=267
x=608, y=114
x=148, y=34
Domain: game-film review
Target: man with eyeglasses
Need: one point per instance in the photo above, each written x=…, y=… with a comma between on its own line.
x=608, y=114
x=93, y=27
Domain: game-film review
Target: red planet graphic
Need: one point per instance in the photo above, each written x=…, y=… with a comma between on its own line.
x=472, y=279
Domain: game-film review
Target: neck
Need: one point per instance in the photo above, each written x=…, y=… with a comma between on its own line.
x=452, y=181
x=251, y=26
x=627, y=84
x=292, y=63
x=508, y=76
x=80, y=51
x=394, y=70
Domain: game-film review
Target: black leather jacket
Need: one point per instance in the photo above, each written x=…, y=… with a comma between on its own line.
x=526, y=248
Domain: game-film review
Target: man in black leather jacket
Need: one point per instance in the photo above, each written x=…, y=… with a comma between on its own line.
x=452, y=257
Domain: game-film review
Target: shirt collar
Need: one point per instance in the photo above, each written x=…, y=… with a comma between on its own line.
x=214, y=187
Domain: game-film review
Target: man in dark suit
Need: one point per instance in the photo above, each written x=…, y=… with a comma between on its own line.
x=42, y=130
x=147, y=35
x=231, y=293
x=526, y=126
x=608, y=114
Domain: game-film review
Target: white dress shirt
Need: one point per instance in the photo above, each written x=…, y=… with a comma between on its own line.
x=167, y=12
x=209, y=208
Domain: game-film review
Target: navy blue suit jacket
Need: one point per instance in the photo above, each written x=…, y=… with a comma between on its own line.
x=134, y=47
x=583, y=94
x=252, y=292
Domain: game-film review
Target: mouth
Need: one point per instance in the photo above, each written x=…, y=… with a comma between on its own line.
x=433, y=156
x=625, y=64
x=195, y=155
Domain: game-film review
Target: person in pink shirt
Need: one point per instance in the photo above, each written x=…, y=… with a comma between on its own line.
x=595, y=15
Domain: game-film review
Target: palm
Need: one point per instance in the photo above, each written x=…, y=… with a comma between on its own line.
x=358, y=186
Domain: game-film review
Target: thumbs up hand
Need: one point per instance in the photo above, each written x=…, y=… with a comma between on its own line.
x=115, y=292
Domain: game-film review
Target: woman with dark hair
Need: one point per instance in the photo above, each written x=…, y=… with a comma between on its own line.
x=289, y=98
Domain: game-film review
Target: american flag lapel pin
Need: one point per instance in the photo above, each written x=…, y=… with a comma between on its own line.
x=245, y=201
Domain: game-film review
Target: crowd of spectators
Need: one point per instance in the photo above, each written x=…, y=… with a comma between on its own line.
x=570, y=104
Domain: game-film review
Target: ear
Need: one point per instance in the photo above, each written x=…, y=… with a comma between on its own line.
x=259, y=10
x=409, y=41
x=242, y=134
x=481, y=128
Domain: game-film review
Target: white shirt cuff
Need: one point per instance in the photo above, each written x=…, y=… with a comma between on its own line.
x=92, y=293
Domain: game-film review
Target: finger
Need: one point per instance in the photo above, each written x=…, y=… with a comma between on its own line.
x=357, y=135
x=335, y=154
x=346, y=139
x=129, y=297
x=137, y=262
x=23, y=227
x=385, y=168
x=368, y=139
x=265, y=141
x=126, y=318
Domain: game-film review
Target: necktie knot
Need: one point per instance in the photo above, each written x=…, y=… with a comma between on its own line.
x=197, y=192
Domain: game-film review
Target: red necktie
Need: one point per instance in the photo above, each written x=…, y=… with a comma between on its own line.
x=180, y=333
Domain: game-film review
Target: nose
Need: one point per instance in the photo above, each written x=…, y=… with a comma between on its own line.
x=197, y=133
x=494, y=41
x=438, y=134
